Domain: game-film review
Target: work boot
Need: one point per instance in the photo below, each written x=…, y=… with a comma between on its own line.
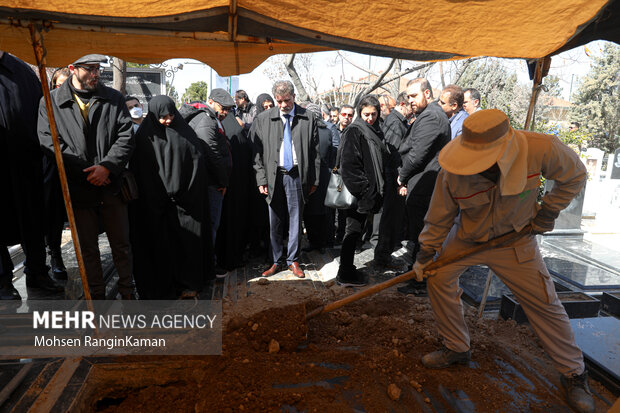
x=578, y=392
x=58, y=267
x=445, y=357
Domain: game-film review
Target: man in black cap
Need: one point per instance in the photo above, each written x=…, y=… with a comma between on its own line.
x=21, y=177
x=207, y=123
x=96, y=136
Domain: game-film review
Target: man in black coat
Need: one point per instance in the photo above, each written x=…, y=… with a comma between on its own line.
x=207, y=123
x=392, y=217
x=21, y=177
x=287, y=169
x=96, y=136
x=419, y=151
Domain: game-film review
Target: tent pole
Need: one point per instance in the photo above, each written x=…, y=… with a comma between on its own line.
x=39, y=53
x=542, y=68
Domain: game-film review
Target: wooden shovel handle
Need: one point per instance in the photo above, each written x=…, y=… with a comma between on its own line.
x=442, y=261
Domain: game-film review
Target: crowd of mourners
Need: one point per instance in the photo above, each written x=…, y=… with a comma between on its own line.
x=185, y=195
x=213, y=183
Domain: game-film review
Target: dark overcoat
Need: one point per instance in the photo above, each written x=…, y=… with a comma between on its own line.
x=267, y=135
x=420, y=150
x=106, y=139
x=21, y=173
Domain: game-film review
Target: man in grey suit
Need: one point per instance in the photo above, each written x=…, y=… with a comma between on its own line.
x=287, y=170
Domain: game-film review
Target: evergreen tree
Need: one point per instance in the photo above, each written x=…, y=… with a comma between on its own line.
x=597, y=101
x=196, y=91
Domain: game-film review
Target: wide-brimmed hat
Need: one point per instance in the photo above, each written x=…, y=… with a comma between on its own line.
x=487, y=139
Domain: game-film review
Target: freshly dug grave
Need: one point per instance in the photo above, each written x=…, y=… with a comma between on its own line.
x=365, y=355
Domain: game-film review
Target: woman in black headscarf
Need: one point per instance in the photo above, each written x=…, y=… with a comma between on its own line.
x=264, y=101
x=363, y=154
x=170, y=220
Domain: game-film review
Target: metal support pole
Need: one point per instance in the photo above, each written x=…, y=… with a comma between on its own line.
x=39, y=53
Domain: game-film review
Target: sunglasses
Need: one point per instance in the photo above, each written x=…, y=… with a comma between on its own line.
x=348, y=115
x=91, y=69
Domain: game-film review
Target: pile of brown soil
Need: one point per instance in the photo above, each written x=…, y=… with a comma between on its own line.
x=365, y=355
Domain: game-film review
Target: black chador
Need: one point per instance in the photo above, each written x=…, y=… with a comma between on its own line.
x=170, y=220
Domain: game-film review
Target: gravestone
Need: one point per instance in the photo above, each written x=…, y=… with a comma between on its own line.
x=143, y=83
x=615, y=166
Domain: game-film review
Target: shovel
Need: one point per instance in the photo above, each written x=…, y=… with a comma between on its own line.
x=494, y=243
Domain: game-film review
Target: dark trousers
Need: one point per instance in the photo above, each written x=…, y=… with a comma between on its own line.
x=113, y=216
x=286, y=205
x=6, y=266
x=317, y=229
x=392, y=224
x=355, y=225
x=341, y=217
x=417, y=206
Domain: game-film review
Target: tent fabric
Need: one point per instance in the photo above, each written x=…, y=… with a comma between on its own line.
x=235, y=36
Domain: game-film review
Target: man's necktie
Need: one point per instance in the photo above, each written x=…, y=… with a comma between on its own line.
x=287, y=144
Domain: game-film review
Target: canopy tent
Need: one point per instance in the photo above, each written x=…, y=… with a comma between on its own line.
x=237, y=35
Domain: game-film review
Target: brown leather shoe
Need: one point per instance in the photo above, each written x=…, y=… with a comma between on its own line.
x=296, y=269
x=274, y=269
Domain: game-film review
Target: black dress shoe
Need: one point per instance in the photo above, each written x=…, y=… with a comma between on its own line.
x=58, y=268
x=8, y=292
x=43, y=282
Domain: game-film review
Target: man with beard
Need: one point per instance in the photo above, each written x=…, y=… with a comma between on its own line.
x=21, y=177
x=207, y=123
x=416, y=177
x=287, y=169
x=96, y=136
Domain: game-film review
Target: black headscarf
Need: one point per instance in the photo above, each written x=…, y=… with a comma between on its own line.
x=175, y=148
x=376, y=142
x=262, y=98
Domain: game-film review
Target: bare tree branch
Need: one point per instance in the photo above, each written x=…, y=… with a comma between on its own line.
x=443, y=80
x=375, y=83
x=292, y=72
x=461, y=70
x=406, y=72
x=356, y=66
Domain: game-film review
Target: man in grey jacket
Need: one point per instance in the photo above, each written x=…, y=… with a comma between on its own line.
x=488, y=186
x=96, y=136
x=287, y=169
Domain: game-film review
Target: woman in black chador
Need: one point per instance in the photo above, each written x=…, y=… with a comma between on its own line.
x=170, y=220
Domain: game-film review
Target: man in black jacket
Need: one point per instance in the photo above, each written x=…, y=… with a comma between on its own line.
x=21, y=177
x=207, y=123
x=392, y=217
x=96, y=136
x=287, y=169
x=420, y=149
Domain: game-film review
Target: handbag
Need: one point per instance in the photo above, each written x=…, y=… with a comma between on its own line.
x=129, y=188
x=338, y=196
